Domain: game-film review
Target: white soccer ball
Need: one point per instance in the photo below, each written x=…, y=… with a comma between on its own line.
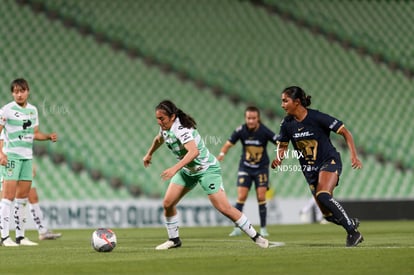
x=103, y=240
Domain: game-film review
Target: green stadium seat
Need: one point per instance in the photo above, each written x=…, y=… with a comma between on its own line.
x=245, y=50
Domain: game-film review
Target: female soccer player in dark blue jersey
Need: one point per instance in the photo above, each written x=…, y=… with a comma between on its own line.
x=254, y=162
x=309, y=130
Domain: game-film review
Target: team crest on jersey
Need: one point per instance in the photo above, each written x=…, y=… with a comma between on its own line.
x=9, y=172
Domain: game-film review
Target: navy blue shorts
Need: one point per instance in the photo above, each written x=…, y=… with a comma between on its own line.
x=259, y=177
x=332, y=165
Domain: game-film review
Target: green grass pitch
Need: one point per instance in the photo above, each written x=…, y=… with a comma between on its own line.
x=310, y=249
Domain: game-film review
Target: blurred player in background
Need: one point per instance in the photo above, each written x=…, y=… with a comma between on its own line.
x=20, y=122
x=195, y=166
x=254, y=163
x=37, y=214
x=309, y=131
x=311, y=213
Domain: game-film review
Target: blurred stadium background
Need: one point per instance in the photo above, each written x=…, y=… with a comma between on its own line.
x=97, y=68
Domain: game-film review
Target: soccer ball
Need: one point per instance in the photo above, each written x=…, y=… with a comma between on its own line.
x=103, y=240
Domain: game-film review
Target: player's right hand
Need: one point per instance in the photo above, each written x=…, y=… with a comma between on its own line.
x=275, y=163
x=3, y=159
x=147, y=160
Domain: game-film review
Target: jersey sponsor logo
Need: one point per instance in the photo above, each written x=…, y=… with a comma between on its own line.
x=253, y=142
x=186, y=136
x=26, y=123
x=300, y=129
x=304, y=134
x=333, y=124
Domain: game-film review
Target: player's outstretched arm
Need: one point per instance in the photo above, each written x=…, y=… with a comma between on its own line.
x=43, y=136
x=226, y=147
x=280, y=154
x=156, y=143
x=355, y=162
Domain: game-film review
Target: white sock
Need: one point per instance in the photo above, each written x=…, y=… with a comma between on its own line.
x=172, y=226
x=246, y=226
x=5, y=217
x=20, y=216
x=37, y=217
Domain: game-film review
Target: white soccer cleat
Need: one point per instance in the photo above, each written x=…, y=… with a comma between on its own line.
x=168, y=244
x=276, y=244
x=236, y=232
x=8, y=242
x=263, y=232
x=26, y=242
x=262, y=242
x=49, y=235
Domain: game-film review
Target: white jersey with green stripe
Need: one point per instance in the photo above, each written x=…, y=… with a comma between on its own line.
x=177, y=136
x=19, y=123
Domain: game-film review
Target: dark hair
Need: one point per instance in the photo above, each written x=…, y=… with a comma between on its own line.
x=252, y=109
x=19, y=82
x=170, y=109
x=295, y=92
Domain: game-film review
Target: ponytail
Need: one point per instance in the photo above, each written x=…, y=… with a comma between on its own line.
x=171, y=109
x=295, y=92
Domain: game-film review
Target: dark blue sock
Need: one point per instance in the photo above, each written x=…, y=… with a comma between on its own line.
x=262, y=214
x=339, y=215
x=239, y=206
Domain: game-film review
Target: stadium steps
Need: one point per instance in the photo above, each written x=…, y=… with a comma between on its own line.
x=58, y=182
x=216, y=60
x=95, y=71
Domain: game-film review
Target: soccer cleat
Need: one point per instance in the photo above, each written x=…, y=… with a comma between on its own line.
x=260, y=241
x=8, y=242
x=356, y=222
x=25, y=241
x=354, y=239
x=49, y=235
x=323, y=221
x=263, y=232
x=168, y=244
x=236, y=232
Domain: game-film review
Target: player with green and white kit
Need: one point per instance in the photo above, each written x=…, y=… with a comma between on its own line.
x=20, y=123
x=195, y=165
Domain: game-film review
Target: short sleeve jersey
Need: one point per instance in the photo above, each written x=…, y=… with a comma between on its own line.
x=310, y=137
x=19, y=123
x=177, y=136
x=254, y=143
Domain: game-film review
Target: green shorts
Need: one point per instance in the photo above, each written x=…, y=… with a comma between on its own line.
x=211, y=180
x=18, y=169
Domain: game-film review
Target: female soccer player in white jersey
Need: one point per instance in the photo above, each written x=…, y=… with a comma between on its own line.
x=195, y=166
x=19, y=120
x=33, y=199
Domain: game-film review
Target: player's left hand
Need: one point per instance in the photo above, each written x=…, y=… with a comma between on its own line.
x=168, y=173
x=53, y=137
x=356, y=163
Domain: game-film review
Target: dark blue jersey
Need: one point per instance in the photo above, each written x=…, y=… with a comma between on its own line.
x=310, y=138
x=254, y=153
